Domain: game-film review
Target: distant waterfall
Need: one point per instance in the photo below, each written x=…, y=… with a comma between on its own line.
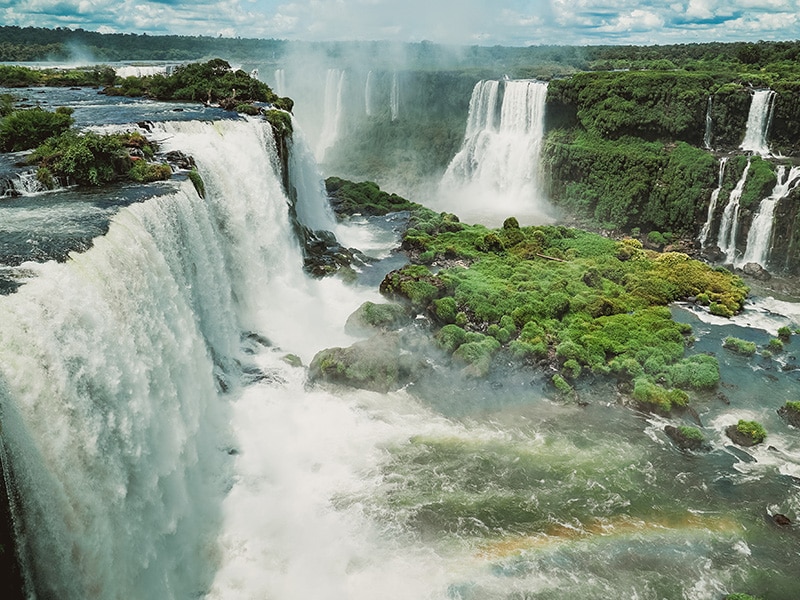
x=280, y=82
x=759, y=120
x=499, y=159
x=726, y=240
x=709, y=125
x=332, y=111
x=759, y=239
x=394, y=98
x=368, y=91
x=712, y=204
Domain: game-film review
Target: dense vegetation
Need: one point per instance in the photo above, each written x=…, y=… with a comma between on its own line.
x=210, y=81
x=93, y=159
x=347, y=197
x=576, y=301
x=26, y=129
x=14, y=76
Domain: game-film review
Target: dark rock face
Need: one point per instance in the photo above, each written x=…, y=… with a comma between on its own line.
x=179, y=160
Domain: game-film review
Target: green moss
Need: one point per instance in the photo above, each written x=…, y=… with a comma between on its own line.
x=281, y=122
x=561, y=384
x=793, y=406
x=197, y=181
x=366, y=197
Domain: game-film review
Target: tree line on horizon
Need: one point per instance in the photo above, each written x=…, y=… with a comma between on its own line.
x=60, y=44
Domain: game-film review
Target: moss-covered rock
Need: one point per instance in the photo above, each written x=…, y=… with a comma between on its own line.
x=370, y=318
x=746, y=433
x=378, y=364
x=790, y=412
x=686, y=438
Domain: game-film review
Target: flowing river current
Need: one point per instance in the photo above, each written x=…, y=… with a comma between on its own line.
x=163, y=442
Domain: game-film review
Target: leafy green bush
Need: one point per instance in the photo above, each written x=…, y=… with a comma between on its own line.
x=785, y=333
x=775, y=345
x=26, y=129
x=92, y=159
x=739, y=346
x=691, y=433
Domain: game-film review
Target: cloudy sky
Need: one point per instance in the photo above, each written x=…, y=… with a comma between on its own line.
x=485, y=22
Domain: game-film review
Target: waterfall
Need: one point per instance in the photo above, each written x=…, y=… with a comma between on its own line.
x=759, y=238
x=312, y=209
x=26, y=183
x=332, y=111
x=111, y=366
x=280, y=82
x=712, y=204
x=759, y=120
x=726, y=240
x=498, y=160
x=709, y=124
x=368, y=85
x=394, y=98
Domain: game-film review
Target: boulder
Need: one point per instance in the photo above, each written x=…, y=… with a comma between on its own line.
x=756, y=271
x=378, y=364
x=685, y=438
x=370, y=318
x=740, y=438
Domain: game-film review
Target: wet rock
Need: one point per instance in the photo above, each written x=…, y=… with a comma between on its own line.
x=781, y=520
x=686, y=438
x=790, y=415
x=180, y=160
x=740, y=438
x=756, y=271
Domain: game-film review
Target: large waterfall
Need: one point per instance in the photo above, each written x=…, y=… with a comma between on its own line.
x=759, y=238
x=394, y=98
x=497, y=168
x=759, y=120
x=113, y=367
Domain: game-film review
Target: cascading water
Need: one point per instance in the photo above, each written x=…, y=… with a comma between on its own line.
x=759, y=120
x=394, y=98
x=759, y=238
x=110, y=366
x=729, y=226
x=332, y=111
x=497, y=168
x=712, y=204
x=709, y=125
x=368, y=92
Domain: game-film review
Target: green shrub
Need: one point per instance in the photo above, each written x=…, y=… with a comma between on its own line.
x=739, y=346
x=753, y=429
x=450, y=337
x=646, y=391
x=26, y=129
x=691, y=433
x=775, y=345
x=784, y=333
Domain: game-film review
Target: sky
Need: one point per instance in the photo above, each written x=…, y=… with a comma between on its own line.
x=483, y=22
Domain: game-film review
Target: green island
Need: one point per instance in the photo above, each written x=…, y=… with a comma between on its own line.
x=566, y=301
